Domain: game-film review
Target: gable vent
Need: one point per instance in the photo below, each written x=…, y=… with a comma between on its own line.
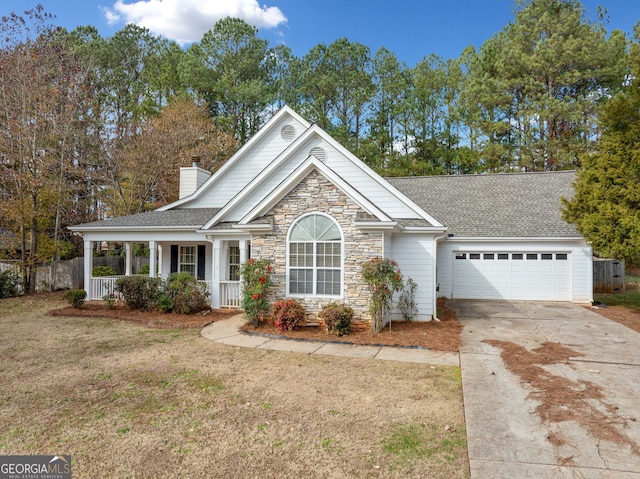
x=288, y=132
x=319, y=153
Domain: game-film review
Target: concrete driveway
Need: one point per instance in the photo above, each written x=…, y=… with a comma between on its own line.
x=507, y=437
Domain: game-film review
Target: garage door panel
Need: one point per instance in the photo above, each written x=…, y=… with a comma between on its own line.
x=517, y=276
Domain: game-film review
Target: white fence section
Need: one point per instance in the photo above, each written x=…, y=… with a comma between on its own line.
x=101, y=286
x=229, y=294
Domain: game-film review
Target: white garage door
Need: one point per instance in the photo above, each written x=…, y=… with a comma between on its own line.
x=528, y=275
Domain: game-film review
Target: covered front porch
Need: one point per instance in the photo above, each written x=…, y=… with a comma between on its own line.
x=214, y=262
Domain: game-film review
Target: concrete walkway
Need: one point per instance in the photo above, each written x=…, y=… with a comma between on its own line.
x=227, y=332
x=506, y=436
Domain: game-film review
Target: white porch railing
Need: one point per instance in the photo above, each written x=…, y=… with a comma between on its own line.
x=229, y=294
x=101, y=286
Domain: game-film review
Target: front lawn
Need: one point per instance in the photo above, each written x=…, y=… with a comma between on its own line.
x=129, y=401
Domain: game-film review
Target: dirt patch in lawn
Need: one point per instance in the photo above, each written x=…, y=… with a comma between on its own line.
x=626, y=316
x=151, y=319
x=559, y=398
x=126, y=400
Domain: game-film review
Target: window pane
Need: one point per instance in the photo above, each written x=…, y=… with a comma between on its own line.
x=328, y=255
x=301, y=255
x=327, y=230
x=328, y=281
x=303, y=230
x=546, y=256
x=315, y=256
x=503, y=255
x=234, y=263
x=474, y=256
x=561, y=256
x=301, y=281
x=488, y=256
x=517, y=256
x=187, y=260
x=532, y=255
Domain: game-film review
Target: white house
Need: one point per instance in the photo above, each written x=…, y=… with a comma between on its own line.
x=294, y=195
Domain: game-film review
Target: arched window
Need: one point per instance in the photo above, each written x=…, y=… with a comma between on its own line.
x=315, y=257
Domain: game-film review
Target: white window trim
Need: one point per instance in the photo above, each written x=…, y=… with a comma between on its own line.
x=315, y=268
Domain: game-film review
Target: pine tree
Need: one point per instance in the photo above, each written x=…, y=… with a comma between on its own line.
x=606, y=205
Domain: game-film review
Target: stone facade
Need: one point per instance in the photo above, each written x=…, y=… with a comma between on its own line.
x=316, y=194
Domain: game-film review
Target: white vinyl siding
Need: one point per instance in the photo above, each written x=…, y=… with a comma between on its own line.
x=342, y=166
x=415, y=258
x=247, y=167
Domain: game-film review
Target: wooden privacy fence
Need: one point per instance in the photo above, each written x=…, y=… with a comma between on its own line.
x=117, y=263
x=608, y=275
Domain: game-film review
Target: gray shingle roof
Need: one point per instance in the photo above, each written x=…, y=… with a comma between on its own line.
x=178, y=217
x=494, y=205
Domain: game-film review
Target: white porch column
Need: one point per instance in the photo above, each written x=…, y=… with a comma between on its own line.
x=160, y=260
x=244, y=251
x=127, y=258
x=153, y=254
x=88, y=266
x=215, y=280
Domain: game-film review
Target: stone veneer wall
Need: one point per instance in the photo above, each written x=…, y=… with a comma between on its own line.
x=317, y=194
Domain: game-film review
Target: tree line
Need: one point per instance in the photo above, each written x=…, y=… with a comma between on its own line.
x=93, y=127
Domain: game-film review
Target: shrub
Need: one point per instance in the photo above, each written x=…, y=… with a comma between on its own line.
x=165, y=303
x=75, y=297
x=407, y=301
x=144, y=269
x=103, y=271
x=337, y=318
x=110, y=300
x=139, y=292
x=256, y=279
x=384, y=279
x=186, y=294
x=287, y=314
x=9, y=282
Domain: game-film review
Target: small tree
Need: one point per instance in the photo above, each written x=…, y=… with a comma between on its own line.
x=384, y=278
x=407, y=301
x=256, y=279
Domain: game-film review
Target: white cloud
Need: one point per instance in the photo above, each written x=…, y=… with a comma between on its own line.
x=185, y=21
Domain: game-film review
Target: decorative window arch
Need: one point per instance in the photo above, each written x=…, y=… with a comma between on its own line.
x=314, y=258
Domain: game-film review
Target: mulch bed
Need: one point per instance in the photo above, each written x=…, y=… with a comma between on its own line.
x=439, y=336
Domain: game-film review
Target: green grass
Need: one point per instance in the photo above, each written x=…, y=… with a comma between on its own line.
x=411, y=442
x=630, y=298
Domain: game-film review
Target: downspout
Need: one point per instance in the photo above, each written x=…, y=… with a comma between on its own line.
x=435, y=279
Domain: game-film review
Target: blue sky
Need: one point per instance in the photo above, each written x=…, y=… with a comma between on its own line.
x=412, y=29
